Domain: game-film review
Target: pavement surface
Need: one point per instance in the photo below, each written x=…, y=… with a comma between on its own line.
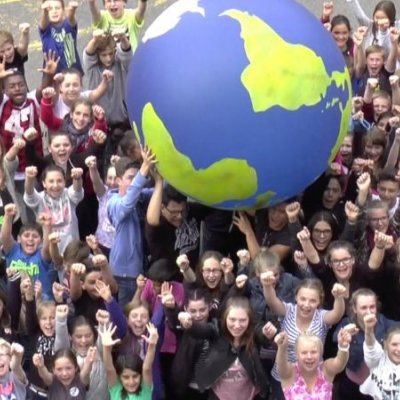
x=14, y=12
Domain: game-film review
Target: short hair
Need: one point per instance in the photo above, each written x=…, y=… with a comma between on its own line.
x=339, y=245
x=31, y=226
x=123, y=164
x=76, y=251
x=84, y=101
x=72, y=71
x=388, y=174
x=6, y=37
x=14, y=73
x=374, y=48
x=265, y=259
x=60, y=1
x=377, y=204
x=52, y=168
x=381, y=94
x=171, y=194
x=105, y=43
x=58, y=134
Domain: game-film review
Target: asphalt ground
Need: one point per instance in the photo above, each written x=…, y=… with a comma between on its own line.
x=14, y=12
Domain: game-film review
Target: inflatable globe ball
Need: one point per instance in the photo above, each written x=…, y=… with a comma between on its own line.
x=244, y=102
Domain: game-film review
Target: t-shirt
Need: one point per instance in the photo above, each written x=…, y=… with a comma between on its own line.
x=144, y=394
x=18, y=62
x=11, y=388
x=88, y=306
x=75, y=391
x=62, y=39
x=127, y=21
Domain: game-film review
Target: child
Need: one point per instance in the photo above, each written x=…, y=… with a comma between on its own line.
x=116, y=17
x=309, y=377
x=130, y=375
x=26, y=255
x=388, y=190
x=15, y=56
x=66, y=381
x=79, y=123
x=58, y=32
x=383, y=363
x=103, y=53
x=105, y=231
x=126, y=256
x=12, y=377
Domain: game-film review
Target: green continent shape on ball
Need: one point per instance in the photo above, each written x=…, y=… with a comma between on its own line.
x=223, y=180
x=282, y=82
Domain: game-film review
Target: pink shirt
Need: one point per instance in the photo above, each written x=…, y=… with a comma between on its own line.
x=149, y=295
x=234, y=381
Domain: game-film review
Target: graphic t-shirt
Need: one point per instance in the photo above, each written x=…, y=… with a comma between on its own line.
x=75, y=391
x=11, y=388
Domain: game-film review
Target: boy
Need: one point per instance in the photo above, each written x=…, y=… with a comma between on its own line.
x=126, y=256
x=116, y=18
x=58, y=32
x=15, y=56
x=26, y=255
x=388, y=190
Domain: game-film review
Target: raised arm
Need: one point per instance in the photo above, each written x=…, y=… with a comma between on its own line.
x=6, y=229
x=304, y=237
x=87, y=365
x=140, y=11
x=77, y=270
x=38, y=362
x=382, y=243
x=285, y=369
x=45, y=220
x=274, y=303
x=390, y=64
x=184, y=266
x=106, y=334
x=62, y=338
x=96, y=94
x=44, y=20
x=23, y=42
x=241, y=220
x=152, y=339
x=154, y=209
x=373, y=351
x=358, y=12
x=360, y=61
x=98, y=185
x=71, y=12
x=17, y=354
x=30, y=179
x=332, y=317
x=94, y=11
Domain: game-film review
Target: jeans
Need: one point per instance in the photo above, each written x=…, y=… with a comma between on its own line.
x=126, y=290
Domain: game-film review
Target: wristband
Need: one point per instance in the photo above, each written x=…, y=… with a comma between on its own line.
x=344, y=349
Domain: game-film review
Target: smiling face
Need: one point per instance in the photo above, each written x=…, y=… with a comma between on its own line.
x=54, y=184
x=309, y=353
x=378, y=219
x=307, y=300
x=82, y=338
x=60, y=149
x=115, y=7
x=81, y=116
x=364, y=305
x=332, y=194
x=16, y=89
x=392, y=346
x=7, y=51
x=237, y=322
x=5, y=359
x=340, y=34
x=64, y=370
x=211, y=272
x=71, y=87
x=199, y=310
x=47, y=320
x=388, y=191
x=130, y=380
x=30, y=241
x=56, y=11
x=111, y=178
x=341, y=262
x=346, y=149
x=321, y=235
x=138, y=318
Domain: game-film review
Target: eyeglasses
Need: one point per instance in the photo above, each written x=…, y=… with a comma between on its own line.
x=319, y=232
x=177, y=213
x=207, y=271
x=343, y=261
x=377, y=220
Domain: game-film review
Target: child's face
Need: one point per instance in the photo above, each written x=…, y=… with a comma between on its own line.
x=16, y=89
x=30, y=241
x=373, y=151
x=277, y=218
x=8, y=52
x=375, y=63
x=54, y=184
x=212, y=272
x=378, y=219
x=321, y=235
x=130, y=380
x=5, y=359
x=237, y=322
x=115, y=7
x=308, y=354
x=381, y=20
x=138, y=318
x=340, y=35
x=64, y=370
x=388, y=191
x=46, y=321
x=60, y=149
x=342, y=263
x=393, y=348
x=56, y=11
x=107, y=56
x=89, y=284
x=307, y=300
x=199, y=310
x=383, y=125
x=346, y=149
x=380, y=106
x=70, y=88
x=126, y=180
x=134, y=151
x=82, y=339
x=364, y=305
x=111, y=178
x=81, y=116
x=332, y=194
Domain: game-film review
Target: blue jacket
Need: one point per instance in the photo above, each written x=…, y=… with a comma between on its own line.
x=126, y=256
x=356, y=354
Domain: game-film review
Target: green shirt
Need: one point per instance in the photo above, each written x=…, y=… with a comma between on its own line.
x=127, y=21
x=144, y=394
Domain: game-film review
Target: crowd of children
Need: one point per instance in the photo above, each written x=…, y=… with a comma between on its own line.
x=114, y=286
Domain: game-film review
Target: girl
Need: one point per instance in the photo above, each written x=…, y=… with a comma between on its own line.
x=81, y=340
x=66, y=382
x=309, y=377
x=303, y=316
x=79, y=123
x=383, y=381
x=130, y=376
x=213, y=273
x=192, y=349
x=232, y=364
x=363, y=302
x=56, y=199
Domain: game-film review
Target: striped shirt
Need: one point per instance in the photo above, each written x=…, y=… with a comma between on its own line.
x=317, y=327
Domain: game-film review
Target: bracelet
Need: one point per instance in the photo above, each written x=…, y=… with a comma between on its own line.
x=344, y=349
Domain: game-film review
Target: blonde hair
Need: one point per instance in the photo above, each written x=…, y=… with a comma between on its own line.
x=6, y=37
x=265, y=260
x=5, y=345
x=45, y=305
x=311, y=337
